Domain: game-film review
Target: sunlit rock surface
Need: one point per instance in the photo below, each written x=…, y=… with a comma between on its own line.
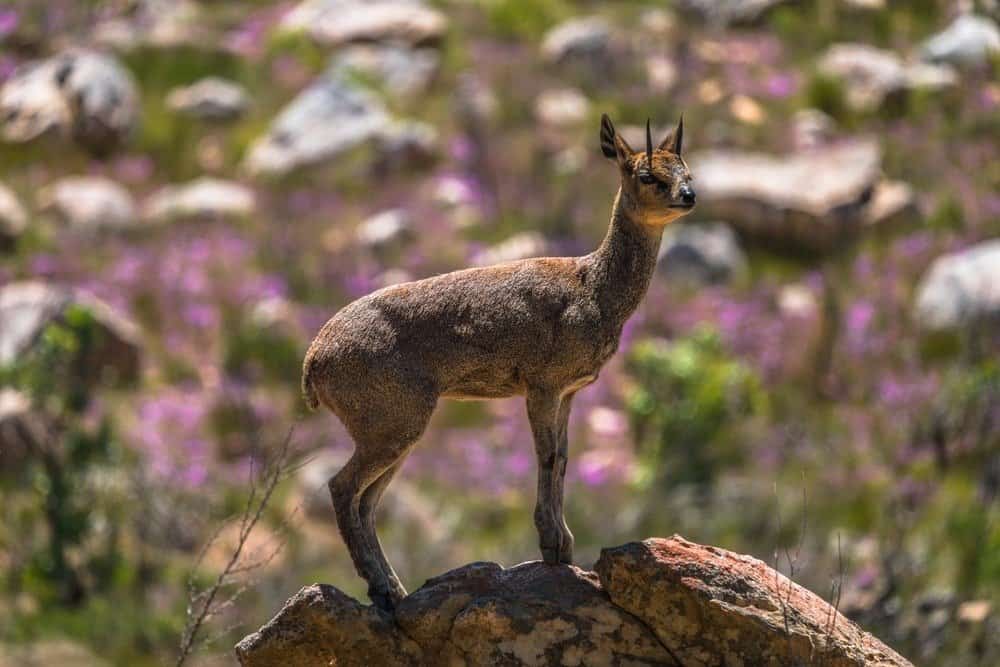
x=89, y=203
x=335, y=22
x=84, y=95
x=969, y=40
x=657, y=602
x=211, y=98
x=27, y=308
x=13, y=218
x=203, y=198
x=961, y=289
x=870, y=74
x=815, y=199
x=330, y=117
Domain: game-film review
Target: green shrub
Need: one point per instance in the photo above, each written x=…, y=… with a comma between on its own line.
x=688, y=395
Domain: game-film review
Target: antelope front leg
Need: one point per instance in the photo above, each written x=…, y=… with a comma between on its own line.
x=543, y=413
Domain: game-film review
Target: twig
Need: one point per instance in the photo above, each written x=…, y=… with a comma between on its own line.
x=204, y=605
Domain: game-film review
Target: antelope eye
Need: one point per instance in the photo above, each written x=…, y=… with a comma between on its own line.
x=646, y=177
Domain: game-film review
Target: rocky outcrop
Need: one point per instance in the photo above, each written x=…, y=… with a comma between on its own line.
x=86, y=95
x=961, y=289
x=657, y=602
x=814, y=200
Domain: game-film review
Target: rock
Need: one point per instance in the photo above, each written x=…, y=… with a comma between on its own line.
x=562, y=107
x=13, y=219
x=21, y=429
x=813, y=200
x=404, y=144
x=729, y=11
x=336, y=22
x=519, y=246
x=161, y=24
x=384, y=229
x=332, y=116
x=400, y=71
x=89, y=203
x=211, y=98
x=811, y=128
x=659, y=602
x=969, y=40
x=322, y=626
x=202, y=198
x=712, y=606
x=28, y=308
x=961, y=289
x=701, y=254
x=871, y=74
x=892, y=202
x=586, y=39
x=47, y=652
x=85, y=95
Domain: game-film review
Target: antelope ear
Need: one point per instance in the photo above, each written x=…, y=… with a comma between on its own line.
x=613, y=145
x=673, y=141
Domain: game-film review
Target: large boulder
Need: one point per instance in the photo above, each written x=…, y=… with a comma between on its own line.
x=969, y=40
x=870, y=74
x=89, y=203
x=85, y=95
x=710, y=606
x=13, y=218
x=28, y=308
x=337, y=22
x=814, y=200
x=659, y=602
x=332, y=116
x=961, y=289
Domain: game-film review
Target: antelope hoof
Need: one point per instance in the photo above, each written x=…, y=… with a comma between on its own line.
x=550, y=555
x=385, y=600
x=566, y=553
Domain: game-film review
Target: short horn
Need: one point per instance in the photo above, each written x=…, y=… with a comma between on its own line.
x=649, y=144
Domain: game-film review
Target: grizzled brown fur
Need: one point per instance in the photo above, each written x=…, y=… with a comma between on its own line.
x=541, y=328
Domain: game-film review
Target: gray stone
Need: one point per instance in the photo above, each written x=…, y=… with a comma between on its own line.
x=961, y=289
x=89, y=203
x=519, y=246
x=81, y=94
x=729, y=11
x=211, y=98
x=332, y=116
x=969, y=40
x=399, y=71
x=164, y=24
x=814, y=199
x=561, y=107
x=701, y=253
x=28, y=308
x=870, y=74
x=588, y=38
x=13, y=219
x=202, y=198
x=384, y=229
x=336, y=22
x=403, y=144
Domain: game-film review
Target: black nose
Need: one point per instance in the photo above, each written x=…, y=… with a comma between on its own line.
x=687, y=194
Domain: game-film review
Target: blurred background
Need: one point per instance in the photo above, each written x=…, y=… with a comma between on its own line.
x=188, y=190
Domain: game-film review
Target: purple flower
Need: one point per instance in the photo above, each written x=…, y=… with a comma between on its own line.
x=780, y=85
x=8, y=22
